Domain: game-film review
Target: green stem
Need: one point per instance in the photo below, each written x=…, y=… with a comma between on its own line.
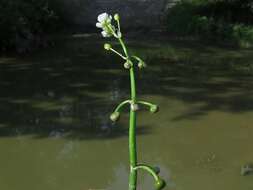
x=132, y=151
x=119, y=54
x=123, y=46
x=132, y=127
x=145, y=103
x=137, y=58
x=118, y=108
x=118, y=26
x=148, y=169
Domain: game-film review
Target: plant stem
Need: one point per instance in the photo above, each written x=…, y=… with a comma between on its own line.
x=119, y=54
x=132, y=127
x=118, y=108
x=145, y=103
x=132, y=151
x=148, y=169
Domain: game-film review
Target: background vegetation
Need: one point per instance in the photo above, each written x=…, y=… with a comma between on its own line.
x=220, y=20
x=25, y=23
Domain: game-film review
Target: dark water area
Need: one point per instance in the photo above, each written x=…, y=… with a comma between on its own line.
x=55, y=104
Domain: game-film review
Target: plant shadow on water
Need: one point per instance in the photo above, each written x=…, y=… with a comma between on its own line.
x=214, y=78
x=69, y=92
x=71, y=89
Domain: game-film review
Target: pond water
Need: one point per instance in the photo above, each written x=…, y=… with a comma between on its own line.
x=55, y=133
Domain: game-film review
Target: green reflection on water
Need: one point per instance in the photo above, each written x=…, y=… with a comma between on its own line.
x=55, y=132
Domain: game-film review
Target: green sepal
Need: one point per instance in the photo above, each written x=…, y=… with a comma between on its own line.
x=107, y=46
x=141, y=63
x=116, y=17
x=128, y=64
x=115, y=116
x=154, y=108
x=159, y=184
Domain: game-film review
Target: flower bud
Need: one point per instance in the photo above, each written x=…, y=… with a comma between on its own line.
x=154, y=109
x=134, y=107
x=119, y=34
x=116, y=17
x=160, y=184
x=141, y=65
x=127, y=65
x=115, y=116
x=107, y=46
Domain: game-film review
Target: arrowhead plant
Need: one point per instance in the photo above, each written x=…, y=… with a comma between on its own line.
x=130, y=62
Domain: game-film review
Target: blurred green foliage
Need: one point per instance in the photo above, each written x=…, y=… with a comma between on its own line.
x=219, y=20
x=24, y=23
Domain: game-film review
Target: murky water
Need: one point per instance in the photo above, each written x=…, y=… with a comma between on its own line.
x=54, y=127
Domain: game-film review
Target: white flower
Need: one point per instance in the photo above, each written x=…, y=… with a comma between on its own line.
x=104, y=22
x=103, y=19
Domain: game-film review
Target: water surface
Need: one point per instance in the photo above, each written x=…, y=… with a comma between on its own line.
x=54, y=127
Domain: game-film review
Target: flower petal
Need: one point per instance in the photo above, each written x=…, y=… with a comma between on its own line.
x=99, y=25
x=105, y=34
x=102, y=17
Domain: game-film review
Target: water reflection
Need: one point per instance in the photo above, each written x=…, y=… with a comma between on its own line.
x=119, y=180
x=55, y=132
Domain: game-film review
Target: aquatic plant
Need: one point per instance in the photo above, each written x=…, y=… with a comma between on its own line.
x=130, y=62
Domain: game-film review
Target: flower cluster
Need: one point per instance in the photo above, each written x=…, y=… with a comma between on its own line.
x=105, y=23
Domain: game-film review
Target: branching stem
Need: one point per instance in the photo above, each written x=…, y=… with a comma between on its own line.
x=119, y=54
x=120, y=106
x=148, y=169
x=132, y=126
x=110, y=30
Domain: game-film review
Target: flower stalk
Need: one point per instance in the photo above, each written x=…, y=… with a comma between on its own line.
x=108, y=30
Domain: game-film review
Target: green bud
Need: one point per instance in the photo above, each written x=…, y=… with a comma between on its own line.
x=134, y=107
x=154, y=109
x=160, y=184
x=115, y=116
x=127, y=65
x=116, y=17
x=119, y=34
x=141, y=64
x=107, y=46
